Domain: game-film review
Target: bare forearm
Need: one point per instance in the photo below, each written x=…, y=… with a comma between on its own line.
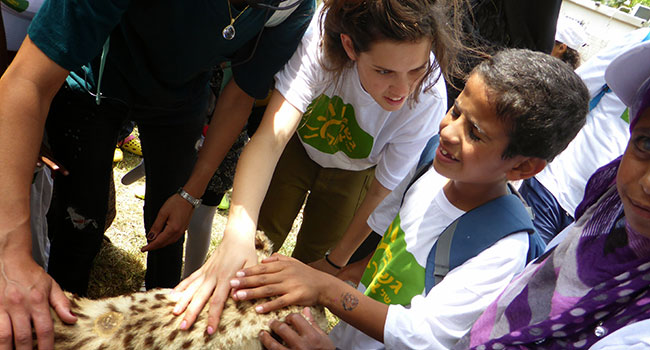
x=257, y=163
x=26, y=90
x=358, y=230
x=355, y=308
x=229, y=118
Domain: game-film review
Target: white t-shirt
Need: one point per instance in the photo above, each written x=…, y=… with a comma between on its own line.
x=343, y=127
x=436, y=320
x=602, y=139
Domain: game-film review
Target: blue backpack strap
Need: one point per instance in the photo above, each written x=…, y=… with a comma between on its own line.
x=425, y=161
x=429, y=151
x=476, y=231
x=596, y=100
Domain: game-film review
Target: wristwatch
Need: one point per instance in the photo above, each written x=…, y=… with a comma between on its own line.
x=188, y=197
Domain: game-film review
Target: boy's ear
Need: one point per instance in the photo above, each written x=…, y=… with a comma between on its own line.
x=348, y=46
x=525, y=169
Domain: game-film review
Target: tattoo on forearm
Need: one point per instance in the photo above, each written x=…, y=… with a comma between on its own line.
x=349, y=301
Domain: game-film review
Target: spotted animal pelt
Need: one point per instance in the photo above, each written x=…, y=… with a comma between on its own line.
x=144, y=320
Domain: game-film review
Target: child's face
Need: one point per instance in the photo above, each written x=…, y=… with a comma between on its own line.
x=390, y=71
x=472, y=139
x=633, y=178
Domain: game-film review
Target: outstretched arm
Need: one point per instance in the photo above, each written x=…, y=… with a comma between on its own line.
x=236, y=251
x=26, y=291
x=298, y=284
x=229, y=118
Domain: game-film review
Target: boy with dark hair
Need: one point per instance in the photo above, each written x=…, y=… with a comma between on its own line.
x=518, y=110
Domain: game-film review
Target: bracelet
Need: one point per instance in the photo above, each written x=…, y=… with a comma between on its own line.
x=327, y=258
x=195, y=202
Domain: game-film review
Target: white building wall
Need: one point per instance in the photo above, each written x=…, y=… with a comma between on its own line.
x=603, y=24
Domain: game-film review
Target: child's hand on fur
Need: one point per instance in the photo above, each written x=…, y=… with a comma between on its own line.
x=298, y=333
x=278, y=275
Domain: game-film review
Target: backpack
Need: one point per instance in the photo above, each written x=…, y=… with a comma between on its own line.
x=463, y=239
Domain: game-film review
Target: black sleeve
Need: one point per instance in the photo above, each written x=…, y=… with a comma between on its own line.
x=276, y=45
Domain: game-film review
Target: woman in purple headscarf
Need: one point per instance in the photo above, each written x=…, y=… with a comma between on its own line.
x=592, y=288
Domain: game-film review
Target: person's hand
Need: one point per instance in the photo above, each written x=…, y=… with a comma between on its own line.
x=294, y=282
x=352, y=273
x=298, y=333
x=170, y=224
x=211, y=281
x=26, y=293
x=324, y=266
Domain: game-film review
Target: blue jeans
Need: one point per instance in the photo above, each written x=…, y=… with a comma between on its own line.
x=82, y=137
x=550, y=218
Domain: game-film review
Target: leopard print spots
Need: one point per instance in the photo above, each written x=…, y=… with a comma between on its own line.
x=136, y=309
x=169, y=323
x=82, y=342
x=154, y=326
x=173, y=335
x=127, y=340
x=80, y=315
x=259, y=245
x=148, y=341
x=61, y=338
x=144, y=321
x=242, y=307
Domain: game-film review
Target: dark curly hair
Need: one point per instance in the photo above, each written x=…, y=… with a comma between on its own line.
x=541, y=98
x=570, y=56
x=367, y=22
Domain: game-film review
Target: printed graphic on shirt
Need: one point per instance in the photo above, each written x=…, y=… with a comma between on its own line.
x=393, y=276
x=330, y=126
x=626, y=115
x=17, y=5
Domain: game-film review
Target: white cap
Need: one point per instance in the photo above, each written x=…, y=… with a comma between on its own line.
x=628, y=75
x=570, y=33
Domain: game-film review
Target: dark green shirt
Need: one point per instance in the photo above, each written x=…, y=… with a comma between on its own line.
x=161, y=51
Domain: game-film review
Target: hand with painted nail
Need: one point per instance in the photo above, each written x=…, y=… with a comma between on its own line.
x=170, y=224
x=298, y=333
x=294, y=282
x=211, y=281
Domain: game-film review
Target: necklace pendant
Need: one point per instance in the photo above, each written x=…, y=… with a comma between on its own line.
x=228, y=32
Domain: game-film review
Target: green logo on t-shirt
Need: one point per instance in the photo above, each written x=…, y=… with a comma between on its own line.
x=17, y=5
x=393, y=276
x=330, y=126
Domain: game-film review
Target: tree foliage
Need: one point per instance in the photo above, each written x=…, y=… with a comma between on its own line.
x=628, y=3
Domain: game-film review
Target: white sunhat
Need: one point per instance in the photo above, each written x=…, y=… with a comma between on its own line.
x=628, y=75
x=570, y=33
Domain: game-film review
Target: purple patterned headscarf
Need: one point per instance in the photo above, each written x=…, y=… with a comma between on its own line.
x=593, y=283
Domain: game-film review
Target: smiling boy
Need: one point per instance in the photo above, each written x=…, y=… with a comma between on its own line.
x=518, y=110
